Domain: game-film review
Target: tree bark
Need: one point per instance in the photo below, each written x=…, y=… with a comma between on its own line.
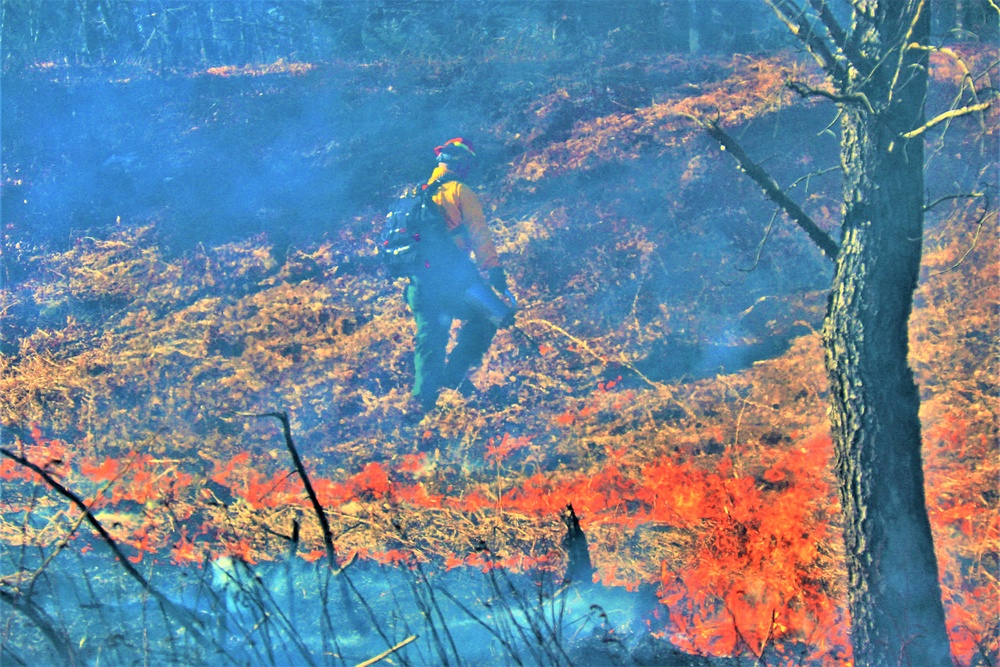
x=894, y=596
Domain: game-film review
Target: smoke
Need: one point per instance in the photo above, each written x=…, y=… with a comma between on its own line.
x=211, y=159
x=295, y=612
x=192, y=152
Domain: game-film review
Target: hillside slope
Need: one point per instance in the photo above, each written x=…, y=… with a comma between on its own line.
x=665, y=378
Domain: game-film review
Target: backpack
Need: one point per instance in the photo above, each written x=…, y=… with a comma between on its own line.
x=412, y=228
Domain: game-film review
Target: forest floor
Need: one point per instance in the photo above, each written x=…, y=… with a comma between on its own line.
x=664, y=379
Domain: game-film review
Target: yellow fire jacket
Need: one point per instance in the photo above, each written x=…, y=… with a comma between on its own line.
x=464, y=215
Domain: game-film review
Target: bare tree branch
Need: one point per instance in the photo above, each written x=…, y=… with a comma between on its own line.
x=43, y=622
x=947, y=115
x=794, y=17
x=968, y=78
x=852, y=98
x=183, y=616
x=837, y=34
x=862, y=8
x=905, y=44
x=939, y=200
x=822, y=9
x=975, y=238
x=770, y=224
x=771, y=188
x=324, y=523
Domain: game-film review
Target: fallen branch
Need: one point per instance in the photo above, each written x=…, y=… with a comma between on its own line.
x=621, y=361
x=385, y=654
x=583, y=345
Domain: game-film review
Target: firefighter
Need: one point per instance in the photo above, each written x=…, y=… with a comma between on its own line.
x=436, y=293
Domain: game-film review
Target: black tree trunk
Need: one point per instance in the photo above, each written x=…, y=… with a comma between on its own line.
x=894, y=595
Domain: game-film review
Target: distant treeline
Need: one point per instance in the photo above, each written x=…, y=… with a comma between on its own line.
x=181, y=33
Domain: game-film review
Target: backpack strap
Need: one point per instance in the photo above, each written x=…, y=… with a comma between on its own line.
x=428, y=190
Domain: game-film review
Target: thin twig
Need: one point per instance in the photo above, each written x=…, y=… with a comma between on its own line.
x=763, y=242
x=961, y=260
x=364, y=603
x=431, y=624
x=768, y=638
x=40, y=620
x=385, y=654
x=916, y=14
x=964, y=195
x=490, y=629
x=435, y=607
x=324, y=523
x=770, y=225
x=64, y=542
x=182, y=615
x=255, y=592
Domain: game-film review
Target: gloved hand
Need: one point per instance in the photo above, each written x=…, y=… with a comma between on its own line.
x=498, y=279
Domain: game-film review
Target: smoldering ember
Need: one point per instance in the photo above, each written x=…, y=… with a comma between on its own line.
x=686, y=354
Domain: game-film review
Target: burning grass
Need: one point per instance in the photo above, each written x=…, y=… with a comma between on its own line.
x=277, y=67
x=718, y=494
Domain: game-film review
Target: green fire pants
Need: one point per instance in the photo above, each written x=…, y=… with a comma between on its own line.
x=434, y=309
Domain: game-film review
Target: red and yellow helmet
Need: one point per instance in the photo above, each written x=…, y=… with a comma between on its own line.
x=454, y=149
